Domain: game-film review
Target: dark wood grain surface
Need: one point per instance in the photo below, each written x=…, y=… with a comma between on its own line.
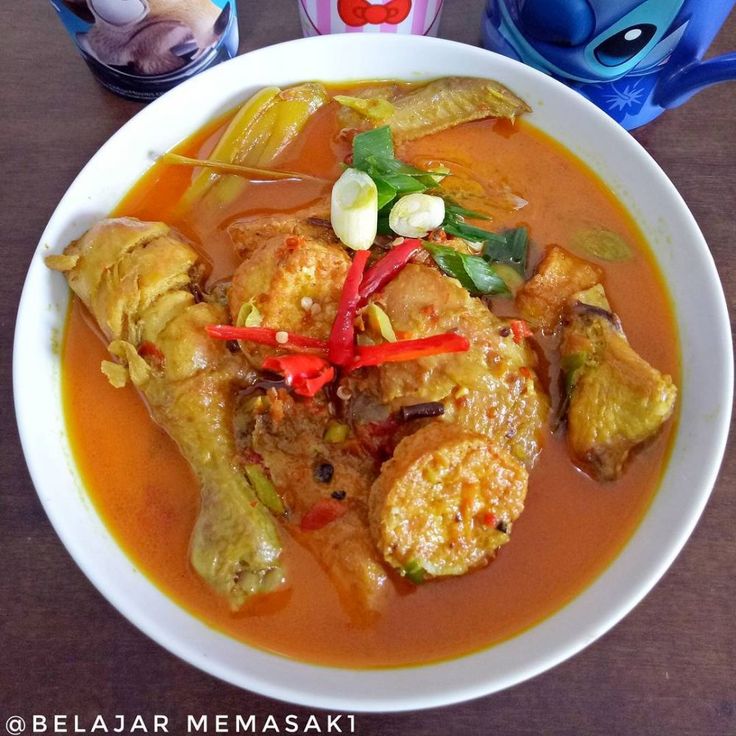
x=668, y=668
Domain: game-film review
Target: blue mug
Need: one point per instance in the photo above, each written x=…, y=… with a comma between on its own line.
x=632, y=58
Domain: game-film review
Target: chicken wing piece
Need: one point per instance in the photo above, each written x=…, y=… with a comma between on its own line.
x=617, y=401
x=136, y=278
x=441, y=104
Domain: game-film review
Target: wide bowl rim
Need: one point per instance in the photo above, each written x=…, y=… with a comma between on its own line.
x=354, y=681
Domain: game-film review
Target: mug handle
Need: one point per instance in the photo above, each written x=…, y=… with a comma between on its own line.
x=677, y=88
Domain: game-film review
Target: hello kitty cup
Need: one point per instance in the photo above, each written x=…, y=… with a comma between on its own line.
x=319, y=17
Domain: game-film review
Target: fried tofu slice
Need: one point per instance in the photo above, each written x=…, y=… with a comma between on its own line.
x=445, y=502
x=290, y=283
x=617, y=401
x=491, y=389
x=542, y=300
x=249, y=234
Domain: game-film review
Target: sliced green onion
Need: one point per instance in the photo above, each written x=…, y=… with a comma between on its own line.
x=473, y=272
x=438, y=173
x=414, y=215
x=264, y=489
x=415, y=572
x=336, y=432
x=354, y=214
x=249, y=315
x=377, y=142
x=509, y=246
x=373, y=153
x=512, y=278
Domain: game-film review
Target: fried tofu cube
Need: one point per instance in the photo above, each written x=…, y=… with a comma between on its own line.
x=541, y=301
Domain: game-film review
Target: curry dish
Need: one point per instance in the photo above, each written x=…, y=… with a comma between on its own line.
x=413, y=361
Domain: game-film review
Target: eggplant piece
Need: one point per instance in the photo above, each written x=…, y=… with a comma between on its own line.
x=617, y=401
x=137, y=279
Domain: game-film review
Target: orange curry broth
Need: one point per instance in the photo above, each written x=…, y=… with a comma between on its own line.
x=572, y=527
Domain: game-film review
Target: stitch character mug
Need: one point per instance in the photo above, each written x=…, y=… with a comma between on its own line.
x=632, y=58
x=370, y=16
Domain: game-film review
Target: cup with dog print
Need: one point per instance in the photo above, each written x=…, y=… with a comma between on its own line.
x=142, y=48
x=319, y=17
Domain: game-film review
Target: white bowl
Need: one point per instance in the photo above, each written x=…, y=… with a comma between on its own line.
x=683, y=256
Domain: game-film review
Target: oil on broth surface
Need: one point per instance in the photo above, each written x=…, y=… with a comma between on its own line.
x=572, y=527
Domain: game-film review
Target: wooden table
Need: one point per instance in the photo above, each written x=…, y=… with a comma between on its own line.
x=668, y=668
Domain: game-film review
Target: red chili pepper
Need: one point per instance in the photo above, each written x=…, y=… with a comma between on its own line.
x=341, y=350
x=488, y=519
x=378, y=438
x=150, y=350
x=520, y=330
x=265, y=336
x=324, y=512
x=306, y=374
x=395, y=352
x=388, y=267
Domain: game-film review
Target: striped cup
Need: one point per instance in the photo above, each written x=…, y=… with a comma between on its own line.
x=319, y=17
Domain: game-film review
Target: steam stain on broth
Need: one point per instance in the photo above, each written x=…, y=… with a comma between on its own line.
x=572, y=527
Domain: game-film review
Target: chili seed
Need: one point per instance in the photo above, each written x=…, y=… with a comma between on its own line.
x=344, y=393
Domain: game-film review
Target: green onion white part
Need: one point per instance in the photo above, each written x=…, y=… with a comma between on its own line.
x=414, y=215
x=354, y=213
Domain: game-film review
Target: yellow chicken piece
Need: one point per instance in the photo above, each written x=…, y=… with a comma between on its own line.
x=136, y=279
x=617, y=400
